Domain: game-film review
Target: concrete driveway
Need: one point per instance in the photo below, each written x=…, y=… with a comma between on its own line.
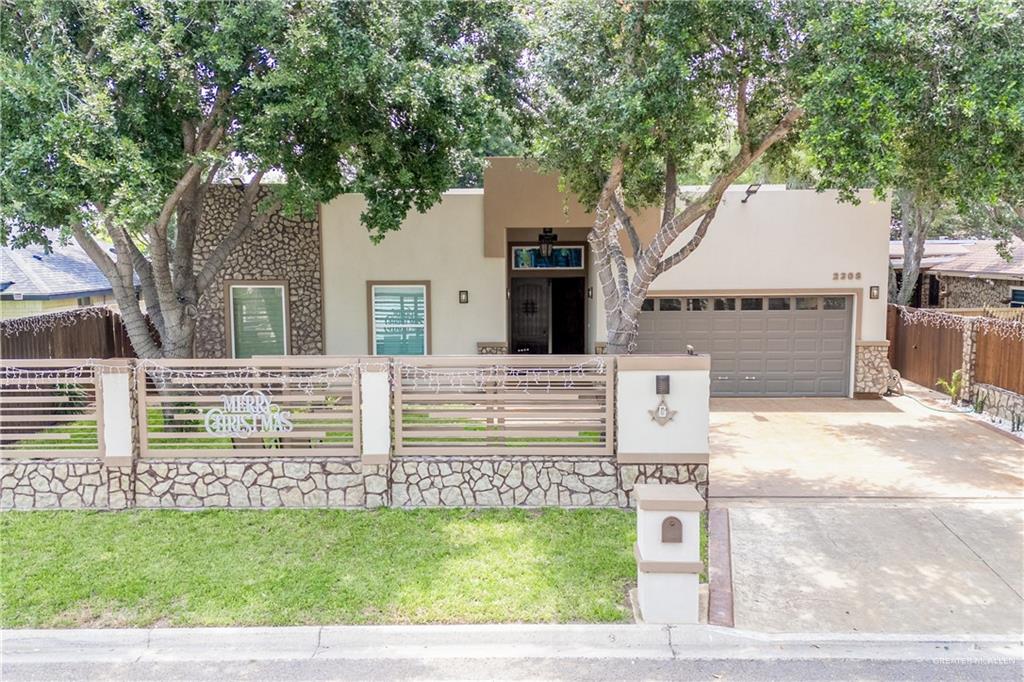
x=879, y=516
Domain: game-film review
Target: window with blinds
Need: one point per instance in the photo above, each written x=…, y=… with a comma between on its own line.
x=258, y=324
x=399, y=319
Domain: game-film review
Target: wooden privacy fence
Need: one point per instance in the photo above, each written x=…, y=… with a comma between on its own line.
x=923, y=353
x=91, y=333
x=292, y=405
x=509, y=405
x=926, y=345
x=50, y=408
x=999, y=361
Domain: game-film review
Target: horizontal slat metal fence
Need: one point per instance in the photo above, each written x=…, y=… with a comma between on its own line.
x=50, y=409
x=488, y=405
x=295, y=405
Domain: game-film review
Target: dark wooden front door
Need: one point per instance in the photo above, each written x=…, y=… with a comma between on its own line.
x=548, y=315
x=530, y=315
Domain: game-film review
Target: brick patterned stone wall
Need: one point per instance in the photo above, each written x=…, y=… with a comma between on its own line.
x=337, y=482
x=491, y=348
x=871, y=370
x=976, y=292
x=998, y=401
x=283, y=249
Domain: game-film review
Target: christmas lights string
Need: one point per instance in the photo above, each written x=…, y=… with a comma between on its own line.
x=496, y=377
x=48, y=321
x=1004, y=329
x=303, y=379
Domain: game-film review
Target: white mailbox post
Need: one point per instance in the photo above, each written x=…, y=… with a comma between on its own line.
x=668, y=552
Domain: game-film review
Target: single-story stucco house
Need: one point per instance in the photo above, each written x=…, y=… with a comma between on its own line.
x=966, y=273
x=787, y=291
x=34, y=281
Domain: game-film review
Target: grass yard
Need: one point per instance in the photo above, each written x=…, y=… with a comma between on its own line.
x=284, y=567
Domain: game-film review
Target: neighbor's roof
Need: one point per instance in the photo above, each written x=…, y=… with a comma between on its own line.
x=984, y=259
x=63, y=273
x=965, y=257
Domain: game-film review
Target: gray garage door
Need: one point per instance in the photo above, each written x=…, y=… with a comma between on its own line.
x=759, y=345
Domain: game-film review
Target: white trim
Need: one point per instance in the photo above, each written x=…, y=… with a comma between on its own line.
x=231, y=311
x=373, y=313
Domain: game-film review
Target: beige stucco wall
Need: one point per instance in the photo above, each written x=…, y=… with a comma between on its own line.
x=779, y=241
x=443, y=245
x=787, y=241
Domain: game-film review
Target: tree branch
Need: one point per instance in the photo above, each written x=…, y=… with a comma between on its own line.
x=742, y=121
x=691, y=246
x=145, y=272
x=627, y=225
x=598, y=237
x=671, y=189
x=122, y=283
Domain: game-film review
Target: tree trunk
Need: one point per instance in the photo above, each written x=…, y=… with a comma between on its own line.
x=622, y=333
x=916, y=219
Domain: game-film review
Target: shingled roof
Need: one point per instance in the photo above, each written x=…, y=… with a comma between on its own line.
x=982, y=258
x=31, y=273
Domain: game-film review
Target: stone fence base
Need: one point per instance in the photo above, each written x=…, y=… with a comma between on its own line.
x=335, y=482
x=999, y=402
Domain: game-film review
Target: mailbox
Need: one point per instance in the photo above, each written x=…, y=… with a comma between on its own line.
x=671, y=530
x=668, y=552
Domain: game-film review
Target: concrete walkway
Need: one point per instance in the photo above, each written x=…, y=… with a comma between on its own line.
x=570, y=652
x=873, y=516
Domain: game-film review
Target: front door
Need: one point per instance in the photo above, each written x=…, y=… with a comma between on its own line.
x=547, y=315
x=530, y=315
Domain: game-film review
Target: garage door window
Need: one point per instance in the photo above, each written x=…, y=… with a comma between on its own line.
x=835, y=303
x=725, y=304
x=751, y=304
x=670, y=304
x=778, y=304
x=806, y=302
x=647, y=305
x=697, y=304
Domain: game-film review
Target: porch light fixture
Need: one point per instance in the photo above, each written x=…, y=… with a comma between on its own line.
x=463, y=296
x=874, y=292
x=546, y=239
x=751, y=191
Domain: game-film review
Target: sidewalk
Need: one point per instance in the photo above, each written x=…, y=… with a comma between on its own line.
x=22, y=649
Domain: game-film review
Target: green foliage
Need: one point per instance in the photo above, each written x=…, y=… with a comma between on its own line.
x=979, y=404
x=1017, y=421
x=655, y=80
x=953, y=386
x=385, y=97
x=925, y=96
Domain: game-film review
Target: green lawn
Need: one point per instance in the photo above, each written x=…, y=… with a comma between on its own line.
x=144, y=568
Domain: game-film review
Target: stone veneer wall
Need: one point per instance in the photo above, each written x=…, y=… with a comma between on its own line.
x=999, y=402
x=871, y=371
x=73, y=484
x=285, y=249
x=338, y=482
x=976, y=292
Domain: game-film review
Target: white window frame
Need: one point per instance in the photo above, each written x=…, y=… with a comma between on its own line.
x=256, y=285
x=425, y=287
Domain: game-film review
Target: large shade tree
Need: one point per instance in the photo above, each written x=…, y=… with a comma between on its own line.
x=632, y=96
x=118, y=117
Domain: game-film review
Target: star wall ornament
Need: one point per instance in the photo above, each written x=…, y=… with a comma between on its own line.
x=662, y=414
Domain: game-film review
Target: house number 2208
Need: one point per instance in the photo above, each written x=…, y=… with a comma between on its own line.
x=845, y=275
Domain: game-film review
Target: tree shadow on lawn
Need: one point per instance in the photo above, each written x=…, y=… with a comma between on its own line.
x=287, y=567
